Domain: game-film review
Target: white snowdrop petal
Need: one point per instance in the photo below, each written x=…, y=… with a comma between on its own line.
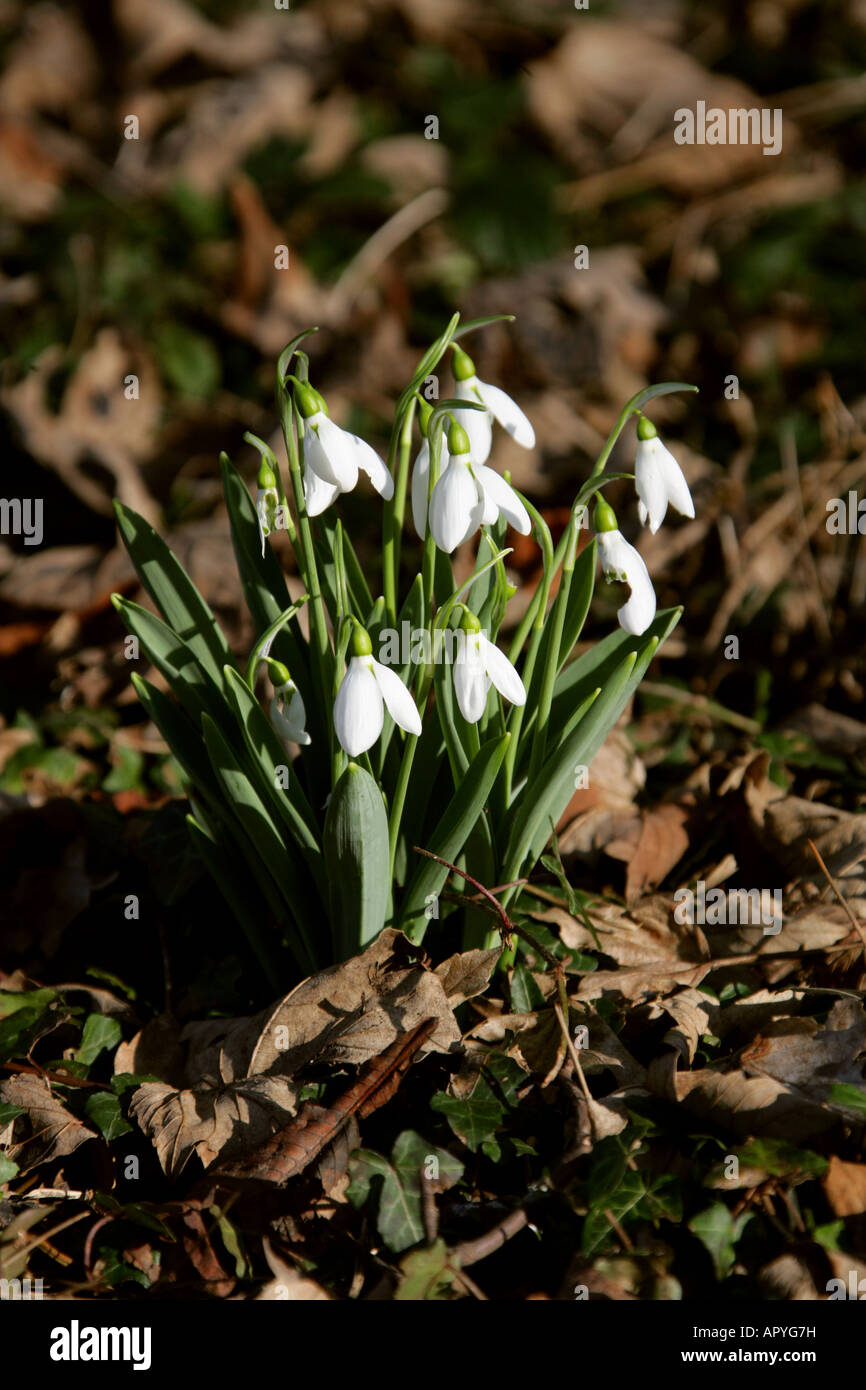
x=456, y=507
x=508, y=413
x=502, y=673
x=336, y=459
x=505, y=499
x=359, y=712
x=420, y=485
x=318, y=495
x=401, y=706
x=375, y=467
x=619, y=560
x=475, y=422
x=650, y=482
x=471, y=682
x=677, y=488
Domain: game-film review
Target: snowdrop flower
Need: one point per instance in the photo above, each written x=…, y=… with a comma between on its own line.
x=333, y=456
x=479, y=665
x=267, y=501
x=287, y=712
x=468, y=496
x=499, y=406
x=366, y=689
x=421, y=470
x=658, y=478
x=620, y=561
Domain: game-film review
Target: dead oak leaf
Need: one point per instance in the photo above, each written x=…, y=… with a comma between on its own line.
x=211, y=1121
x=47, y=1130
x=744, y=1105
x=845, y=1186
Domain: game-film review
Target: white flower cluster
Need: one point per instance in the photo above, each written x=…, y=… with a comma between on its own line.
x=467, y=494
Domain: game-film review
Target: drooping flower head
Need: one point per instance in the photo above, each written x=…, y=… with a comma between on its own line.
x=479, y=665
x=333, y=456
x=267, y=501
x=366, y=690
x=287, y=713
x=469, y=495
x=658, y=478
x=421, y=470
x=620, y=561
x=498, y=406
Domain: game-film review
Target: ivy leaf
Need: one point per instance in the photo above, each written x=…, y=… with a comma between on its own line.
x=100, y=1033
x=103, y=1110
x=718, y=1230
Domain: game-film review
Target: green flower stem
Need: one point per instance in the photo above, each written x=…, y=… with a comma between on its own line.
x=306, y=555
x=399, y=798
x=537, y=613
x=399, y=451
x=551, y=669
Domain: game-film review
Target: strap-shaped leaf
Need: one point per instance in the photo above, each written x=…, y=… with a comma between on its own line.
x=173, y=592
x=290, y=804
x=579, y=599
x=595, y=666
x=181, y=735
x=358, y=860
x=262, y=579
x=451, y=834
x=542, y=802
x=278, y=860
x=176, y=661
x=412, y=615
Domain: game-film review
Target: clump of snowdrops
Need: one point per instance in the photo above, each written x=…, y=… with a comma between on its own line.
x=393, y=716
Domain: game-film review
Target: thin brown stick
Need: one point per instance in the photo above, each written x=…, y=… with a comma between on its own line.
x=833, y=884
x=471, y=1251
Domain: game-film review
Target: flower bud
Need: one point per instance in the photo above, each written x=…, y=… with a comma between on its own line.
x=604, y=516
x=458, y=439
x=360, y=643
x=462, y=365
x=308, y=401
x=278, y=674
x=266, y=478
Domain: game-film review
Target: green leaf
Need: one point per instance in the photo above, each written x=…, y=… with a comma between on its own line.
x=8, y=1112
x=265, y=748
x=11, y=1000
x=276, y=862
x=718, y=1231
x=262, y=579
x=8, y=1169
x=474, y=1119
x=175, y=660
x=451, y=834
x=525, y=993
x=540, y=804
x=399, y=1218
x=101, y=1033
x=357, y=860
x=778, y=1158
x=847, y=1097
x=425, y=1274
x=174, y=593
x=103, y=1109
